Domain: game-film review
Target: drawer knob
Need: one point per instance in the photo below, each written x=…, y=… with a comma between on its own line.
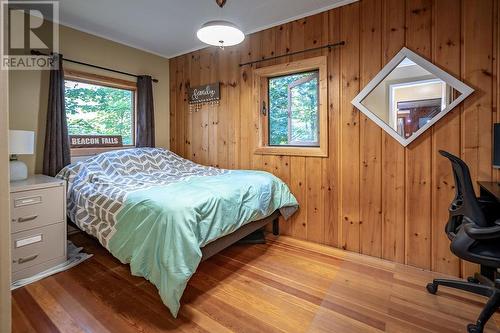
x=25, y=259
x=27, y=218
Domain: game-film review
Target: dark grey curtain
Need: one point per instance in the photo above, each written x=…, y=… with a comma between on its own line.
x=56, y=153
x=145, y=131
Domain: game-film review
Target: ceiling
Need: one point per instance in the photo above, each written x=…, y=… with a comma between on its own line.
x=168, y=27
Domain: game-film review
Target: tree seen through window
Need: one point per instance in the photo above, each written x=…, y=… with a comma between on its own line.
x=99, y=110
x=293, y=109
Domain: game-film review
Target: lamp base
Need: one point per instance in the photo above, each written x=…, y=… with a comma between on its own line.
x=18, y=171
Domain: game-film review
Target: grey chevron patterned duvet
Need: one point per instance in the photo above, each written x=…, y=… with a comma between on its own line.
x=97, y=187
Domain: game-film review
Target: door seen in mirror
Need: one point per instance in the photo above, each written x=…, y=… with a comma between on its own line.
x=409, y=97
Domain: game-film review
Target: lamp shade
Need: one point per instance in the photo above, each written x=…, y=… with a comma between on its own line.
x=220, y=33
x=21, y=142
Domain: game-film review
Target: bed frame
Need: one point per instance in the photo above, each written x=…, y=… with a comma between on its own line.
x=220, y=244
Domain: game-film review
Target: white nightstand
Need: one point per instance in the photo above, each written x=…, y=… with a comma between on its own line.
x=38, y=215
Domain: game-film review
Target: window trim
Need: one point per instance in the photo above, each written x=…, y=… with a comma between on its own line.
x=260, y=87
x=106, y=81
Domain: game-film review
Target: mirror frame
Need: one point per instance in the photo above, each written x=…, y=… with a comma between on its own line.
x=458, y=85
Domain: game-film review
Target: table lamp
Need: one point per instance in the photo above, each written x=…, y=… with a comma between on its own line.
x=20, y=143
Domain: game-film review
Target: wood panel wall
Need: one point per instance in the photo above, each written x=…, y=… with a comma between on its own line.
x=370, y=195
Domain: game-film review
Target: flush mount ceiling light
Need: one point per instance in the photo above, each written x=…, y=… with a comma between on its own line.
x=220, y=33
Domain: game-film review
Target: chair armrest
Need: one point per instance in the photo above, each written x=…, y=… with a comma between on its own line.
x=482, y=233
x=487, y=201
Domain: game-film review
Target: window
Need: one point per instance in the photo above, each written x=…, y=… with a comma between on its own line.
x=295, y=123
x=97, y=105
x=293, y=110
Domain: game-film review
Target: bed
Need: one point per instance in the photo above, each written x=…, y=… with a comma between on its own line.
x=163, y=214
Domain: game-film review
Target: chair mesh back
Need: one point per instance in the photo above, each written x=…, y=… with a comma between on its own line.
x=466, y=203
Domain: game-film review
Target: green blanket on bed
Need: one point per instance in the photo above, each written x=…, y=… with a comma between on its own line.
x=160, y=230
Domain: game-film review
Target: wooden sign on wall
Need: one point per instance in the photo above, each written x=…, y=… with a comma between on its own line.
x=95, y=141
x=204, y=94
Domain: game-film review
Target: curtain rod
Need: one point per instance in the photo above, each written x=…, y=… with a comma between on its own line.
x=90, y=65
x=294, y=53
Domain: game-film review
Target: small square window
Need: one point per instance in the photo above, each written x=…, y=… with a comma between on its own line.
x=294, y=109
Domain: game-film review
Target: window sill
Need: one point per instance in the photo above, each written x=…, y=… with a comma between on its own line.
x=292, y=151
x=76, y=152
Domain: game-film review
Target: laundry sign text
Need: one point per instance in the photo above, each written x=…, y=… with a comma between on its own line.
x=206, y=93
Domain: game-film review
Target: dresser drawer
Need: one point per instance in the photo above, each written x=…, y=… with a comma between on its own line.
x=37, y=208
x=37, y=246
x=33, y=270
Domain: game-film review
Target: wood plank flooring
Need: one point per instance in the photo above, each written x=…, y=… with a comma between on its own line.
x=286, y=285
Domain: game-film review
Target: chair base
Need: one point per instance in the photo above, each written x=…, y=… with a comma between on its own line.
x=479, y=285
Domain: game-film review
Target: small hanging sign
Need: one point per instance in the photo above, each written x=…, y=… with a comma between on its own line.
x=204, y=94
x=95, y=141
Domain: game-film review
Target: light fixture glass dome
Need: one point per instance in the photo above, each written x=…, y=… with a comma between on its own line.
x=220, y=33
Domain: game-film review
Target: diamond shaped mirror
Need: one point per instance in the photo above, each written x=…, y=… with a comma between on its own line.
x=409, y=95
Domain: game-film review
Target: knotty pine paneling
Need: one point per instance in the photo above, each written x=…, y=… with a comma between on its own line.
x=477, y=71
x=393, y=154
x=370, y=195
x=447, y=56
x=370, y=133
x=419, y=155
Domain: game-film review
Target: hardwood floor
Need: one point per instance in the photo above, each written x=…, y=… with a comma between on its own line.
x=286, y=285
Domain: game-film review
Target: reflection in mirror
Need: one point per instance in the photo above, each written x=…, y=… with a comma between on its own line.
x=409, y=97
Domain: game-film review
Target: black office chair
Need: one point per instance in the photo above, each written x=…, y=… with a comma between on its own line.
x=474, y=232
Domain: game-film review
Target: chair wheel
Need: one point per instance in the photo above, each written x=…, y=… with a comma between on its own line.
x=472, y=279
x=432, y=288
x=473, y=328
